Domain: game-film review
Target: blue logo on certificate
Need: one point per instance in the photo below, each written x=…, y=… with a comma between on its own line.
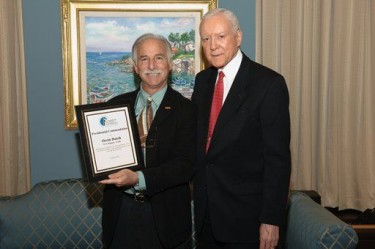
x=103, y=121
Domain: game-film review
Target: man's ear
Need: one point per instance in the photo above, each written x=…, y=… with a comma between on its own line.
x=239, y=37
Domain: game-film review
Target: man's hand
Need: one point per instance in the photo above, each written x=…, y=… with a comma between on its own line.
x=269, y=236
x=122, y=178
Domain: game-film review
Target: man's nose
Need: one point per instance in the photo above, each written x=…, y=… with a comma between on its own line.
x=151, y=64
x=213, y=44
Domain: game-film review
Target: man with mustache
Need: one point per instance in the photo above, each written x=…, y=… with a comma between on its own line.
x=150, y=208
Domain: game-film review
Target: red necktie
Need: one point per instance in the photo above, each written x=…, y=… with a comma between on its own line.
x=217, y=102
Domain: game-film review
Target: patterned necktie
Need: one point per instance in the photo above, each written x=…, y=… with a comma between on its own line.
x=217, y=102
x=144, y=122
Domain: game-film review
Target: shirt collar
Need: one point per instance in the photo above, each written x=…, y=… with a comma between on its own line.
x=231, y=69
x=157, y=98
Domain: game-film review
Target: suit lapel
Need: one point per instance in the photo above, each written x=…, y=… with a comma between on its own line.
x=206, y=93
x=236, y=96
x=165, y=109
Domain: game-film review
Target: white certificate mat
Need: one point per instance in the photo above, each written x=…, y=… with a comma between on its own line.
x=110, y=139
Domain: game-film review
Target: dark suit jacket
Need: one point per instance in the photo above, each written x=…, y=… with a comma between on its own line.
x=244, y=177
x=169, y=168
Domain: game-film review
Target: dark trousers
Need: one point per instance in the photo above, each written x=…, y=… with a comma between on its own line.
x=136, y=226
x=206, y=240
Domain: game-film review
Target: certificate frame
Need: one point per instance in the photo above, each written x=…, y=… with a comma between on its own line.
x=109, y=139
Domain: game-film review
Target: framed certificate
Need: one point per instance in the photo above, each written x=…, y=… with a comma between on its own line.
x=109, y=138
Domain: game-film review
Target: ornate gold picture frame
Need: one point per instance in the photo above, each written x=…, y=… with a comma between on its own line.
x=97, y=36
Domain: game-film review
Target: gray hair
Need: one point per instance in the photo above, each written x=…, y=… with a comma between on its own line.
x=226, y=13
x=151, y=36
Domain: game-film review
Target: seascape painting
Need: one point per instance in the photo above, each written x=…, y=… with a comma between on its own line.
x=97, y=37
x=106, y=63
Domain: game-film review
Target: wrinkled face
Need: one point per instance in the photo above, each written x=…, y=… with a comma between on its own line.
x=152, y=65
x=219, y=41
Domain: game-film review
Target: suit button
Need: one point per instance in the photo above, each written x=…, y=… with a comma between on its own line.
x=205, y=187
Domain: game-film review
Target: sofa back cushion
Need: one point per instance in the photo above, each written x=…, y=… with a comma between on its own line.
x=309, y=225
x=54, y=214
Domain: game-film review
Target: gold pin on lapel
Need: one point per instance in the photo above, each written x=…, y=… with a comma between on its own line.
x=167, y=108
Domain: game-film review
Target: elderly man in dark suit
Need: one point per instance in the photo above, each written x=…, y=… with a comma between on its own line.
x=150, y=208
x=243, y=168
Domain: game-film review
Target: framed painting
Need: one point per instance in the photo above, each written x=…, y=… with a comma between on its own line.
x=97, y=37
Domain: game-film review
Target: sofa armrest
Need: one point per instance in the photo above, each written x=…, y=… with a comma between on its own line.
x=310, y=225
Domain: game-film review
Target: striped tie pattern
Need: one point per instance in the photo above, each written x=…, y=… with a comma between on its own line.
x=144, y=122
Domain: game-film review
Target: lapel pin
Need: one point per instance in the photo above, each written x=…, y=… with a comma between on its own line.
x=167, y=108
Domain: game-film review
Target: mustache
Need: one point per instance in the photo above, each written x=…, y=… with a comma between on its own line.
x=152, y=72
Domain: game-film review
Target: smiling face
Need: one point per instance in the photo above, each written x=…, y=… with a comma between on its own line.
x=152, y=65
x=220, y=41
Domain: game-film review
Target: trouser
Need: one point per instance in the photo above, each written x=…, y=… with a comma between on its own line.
x=206, y=240
x=136, y=226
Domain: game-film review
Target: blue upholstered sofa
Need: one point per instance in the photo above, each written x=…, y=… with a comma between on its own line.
x=67, y=214
x=310, y=226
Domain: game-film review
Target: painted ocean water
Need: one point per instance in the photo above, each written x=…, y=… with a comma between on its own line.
x=109, y=74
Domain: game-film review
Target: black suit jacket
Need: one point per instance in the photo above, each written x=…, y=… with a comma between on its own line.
x=244, y=177
x=168, y=171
